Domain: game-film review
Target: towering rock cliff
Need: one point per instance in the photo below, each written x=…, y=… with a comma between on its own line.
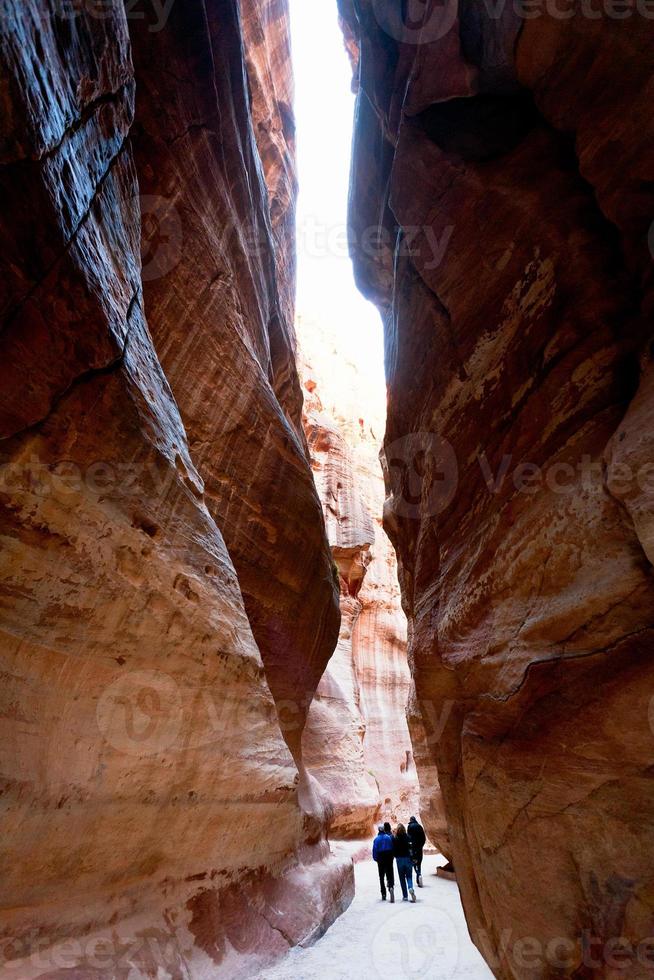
x=356, y=741
x=166, y=592
x=502, y=200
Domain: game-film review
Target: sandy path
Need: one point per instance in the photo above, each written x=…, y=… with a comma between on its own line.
x=374, y=939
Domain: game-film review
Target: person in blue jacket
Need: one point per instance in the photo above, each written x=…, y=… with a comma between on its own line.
x=382, y=852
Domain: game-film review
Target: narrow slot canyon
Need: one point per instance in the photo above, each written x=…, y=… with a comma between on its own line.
x=326, y=488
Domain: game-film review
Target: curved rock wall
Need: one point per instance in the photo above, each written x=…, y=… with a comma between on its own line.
x=356, y=741
x=166, y=593
x=220, y=307
x=506, y=164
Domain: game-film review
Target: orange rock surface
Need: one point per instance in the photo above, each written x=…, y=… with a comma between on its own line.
x=508, y=165
x=167, y=605
x=356, y=741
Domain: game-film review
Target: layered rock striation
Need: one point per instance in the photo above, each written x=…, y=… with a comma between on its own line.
x=356, y=741
x=166, y=593
x=506, y=167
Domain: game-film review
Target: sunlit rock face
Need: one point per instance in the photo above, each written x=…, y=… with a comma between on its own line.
x=356, y=740
x=516, y=159
x=165, y=580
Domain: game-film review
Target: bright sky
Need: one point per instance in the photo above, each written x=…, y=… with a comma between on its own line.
x=324, y=107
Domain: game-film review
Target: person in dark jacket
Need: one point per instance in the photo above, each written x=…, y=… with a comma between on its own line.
x=402, y=855
x=382, y=852
x=418, y=841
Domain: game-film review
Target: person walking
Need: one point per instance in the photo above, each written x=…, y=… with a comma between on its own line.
x=418, y=841
x=382, y=852
x=402, y=855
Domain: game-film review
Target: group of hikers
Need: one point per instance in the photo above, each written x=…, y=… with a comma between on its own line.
x=405, y=846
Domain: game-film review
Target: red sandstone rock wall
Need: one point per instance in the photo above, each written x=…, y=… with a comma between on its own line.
x=516, y=158
x=220, y=307
x=165, y=579
x=356, y=741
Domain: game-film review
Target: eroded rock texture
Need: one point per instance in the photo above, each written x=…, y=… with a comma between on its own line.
x=165, y=581
x=516, y=158
x=203, y=168
x=356, y=740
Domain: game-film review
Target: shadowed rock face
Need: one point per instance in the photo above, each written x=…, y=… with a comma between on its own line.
x=516, y=159
x=165, y=580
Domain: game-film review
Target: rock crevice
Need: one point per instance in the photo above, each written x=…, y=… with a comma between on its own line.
x=356, y=742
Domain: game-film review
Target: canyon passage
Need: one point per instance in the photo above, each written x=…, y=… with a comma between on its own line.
x=251, y=605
